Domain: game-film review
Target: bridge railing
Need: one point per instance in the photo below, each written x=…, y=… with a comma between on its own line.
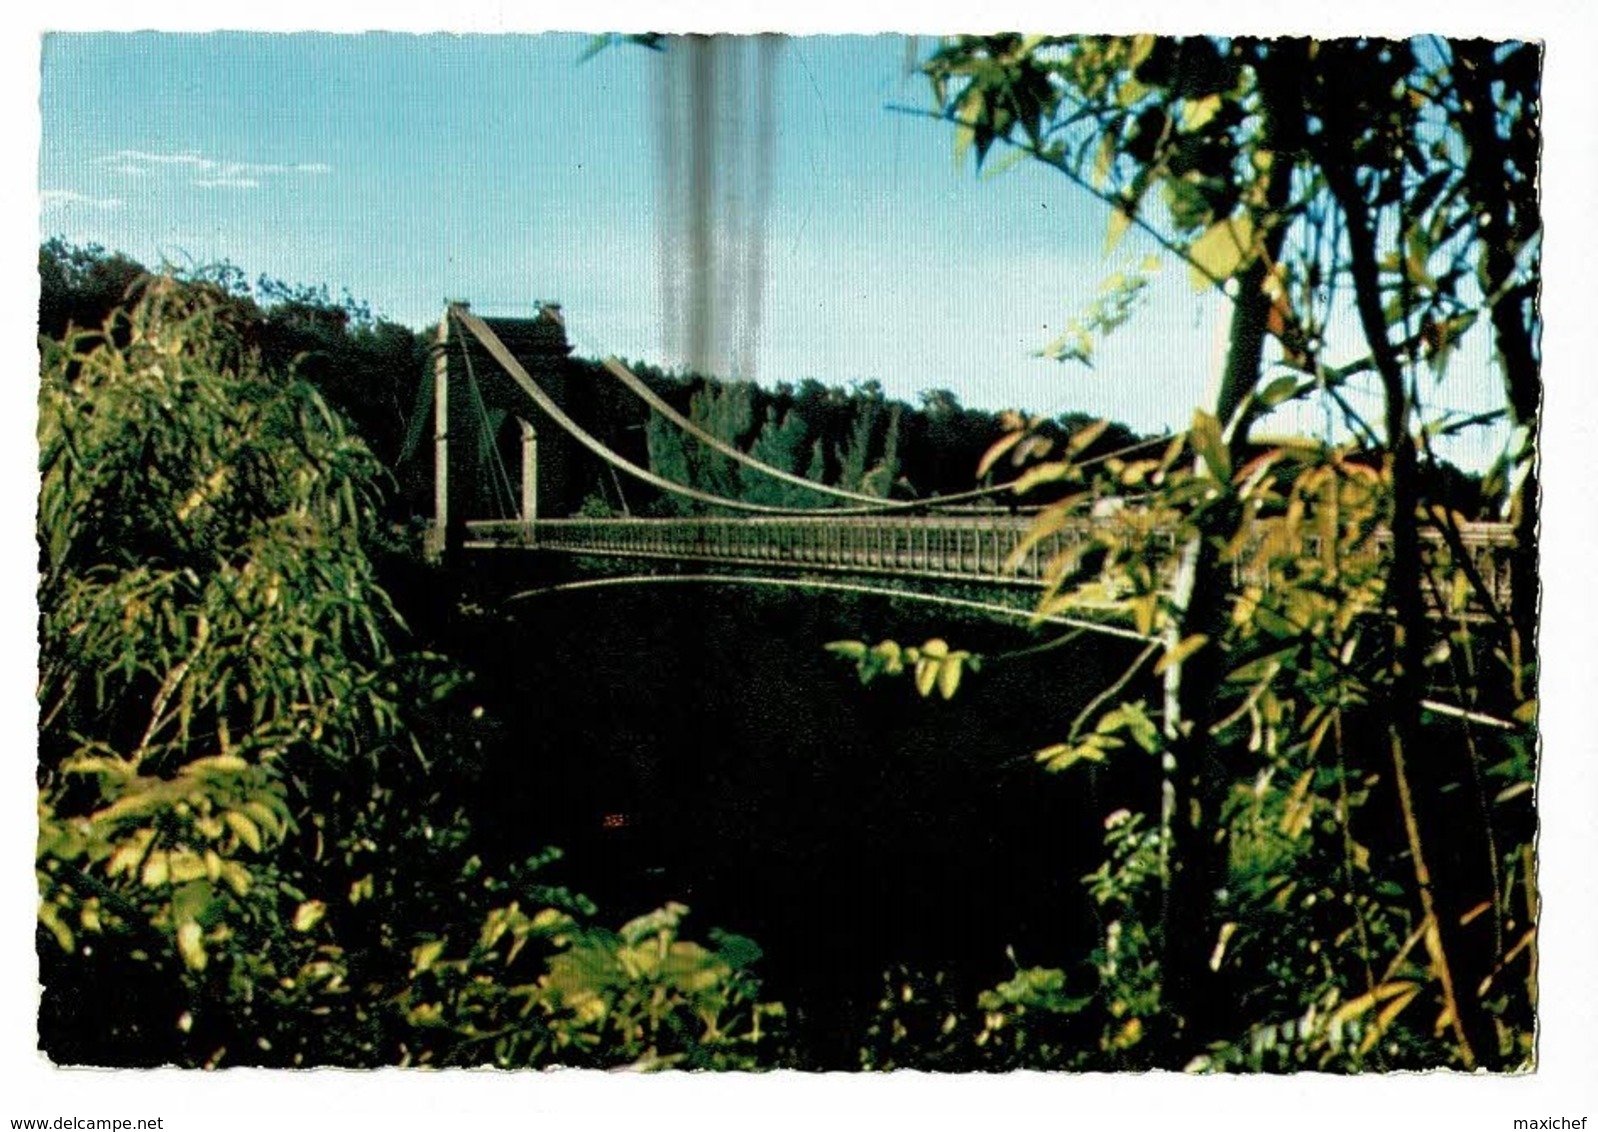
x=976, y=546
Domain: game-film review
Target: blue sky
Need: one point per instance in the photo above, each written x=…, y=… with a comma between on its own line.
x=502, y=169
x=499, y=170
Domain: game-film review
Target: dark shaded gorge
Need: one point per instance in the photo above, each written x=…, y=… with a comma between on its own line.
x=700, y=745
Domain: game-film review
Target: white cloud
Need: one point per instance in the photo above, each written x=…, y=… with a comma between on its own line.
x=53, y=199
x=208, y=172
x=140, y=158
x=227, y=182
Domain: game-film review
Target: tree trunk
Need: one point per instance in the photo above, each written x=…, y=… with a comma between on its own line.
x=1196, y=995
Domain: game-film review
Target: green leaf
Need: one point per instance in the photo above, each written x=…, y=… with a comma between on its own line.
x=1006, y=163
x=191, y=946
x=1050, y=520
x=1224, y=248
x=1083, y=437
x=965, y=115
x=1120, y=220
x=1196, y=113
x=1186, y=648
x=50, y=917
x=736, y=951
x=308, y=915
x=1278, y=391
x=1043, y=473
x=1205, y=436
x=1062, y=756
x=999, y=447
x=247, y=831
x=949, y=675
x=424, y=955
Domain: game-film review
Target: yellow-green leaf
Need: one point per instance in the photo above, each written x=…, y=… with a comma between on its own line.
x=1141, y=46
x=996, y=450
x=1086, y=436
x=1120, y=220
x=1354, y=1007
x=964, y=134
x=1384, y=1019
x=1103, y=161
x=1278, y=391
x=190, y=945
x=1186, y=648
x=1143, y=610
x=245, y=829
x=127, y=856
x=308, y=915
x=1205, y=436
x=949, y=675
x=236, y=877
x=1048, y=521
x=1225, y=246
x=50, y=917
x=184, y=866
x=1042, y=473
x=1059, y=756
x=1197, y=113
x=226, y=763
x=424, y=955
x=155, y=870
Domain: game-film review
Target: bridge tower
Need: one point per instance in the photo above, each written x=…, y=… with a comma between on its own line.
x=493, y=454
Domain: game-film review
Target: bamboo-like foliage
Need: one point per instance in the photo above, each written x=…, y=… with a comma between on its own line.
x=242, y=854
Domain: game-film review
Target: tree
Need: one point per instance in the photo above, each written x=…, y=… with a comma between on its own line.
x=212, y=631
x=1379, y=184
x=243, y=856
x=78, y=287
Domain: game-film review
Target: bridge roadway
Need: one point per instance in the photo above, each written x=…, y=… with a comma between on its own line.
x=947, y=546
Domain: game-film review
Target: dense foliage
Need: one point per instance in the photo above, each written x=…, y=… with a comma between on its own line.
x=1338, y=871
x=244, y=854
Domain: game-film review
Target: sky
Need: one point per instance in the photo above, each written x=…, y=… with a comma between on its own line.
x=501, y=170
x=509, y=169
x=410, y=170
x=505, y=169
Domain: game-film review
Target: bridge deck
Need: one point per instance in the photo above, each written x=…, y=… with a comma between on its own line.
x=950, y=547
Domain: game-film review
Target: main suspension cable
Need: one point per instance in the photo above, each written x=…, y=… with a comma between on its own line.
x=491, y=342
x=498, y=350
x=660, y=405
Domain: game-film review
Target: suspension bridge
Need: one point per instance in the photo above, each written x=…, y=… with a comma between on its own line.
x=506, y=385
